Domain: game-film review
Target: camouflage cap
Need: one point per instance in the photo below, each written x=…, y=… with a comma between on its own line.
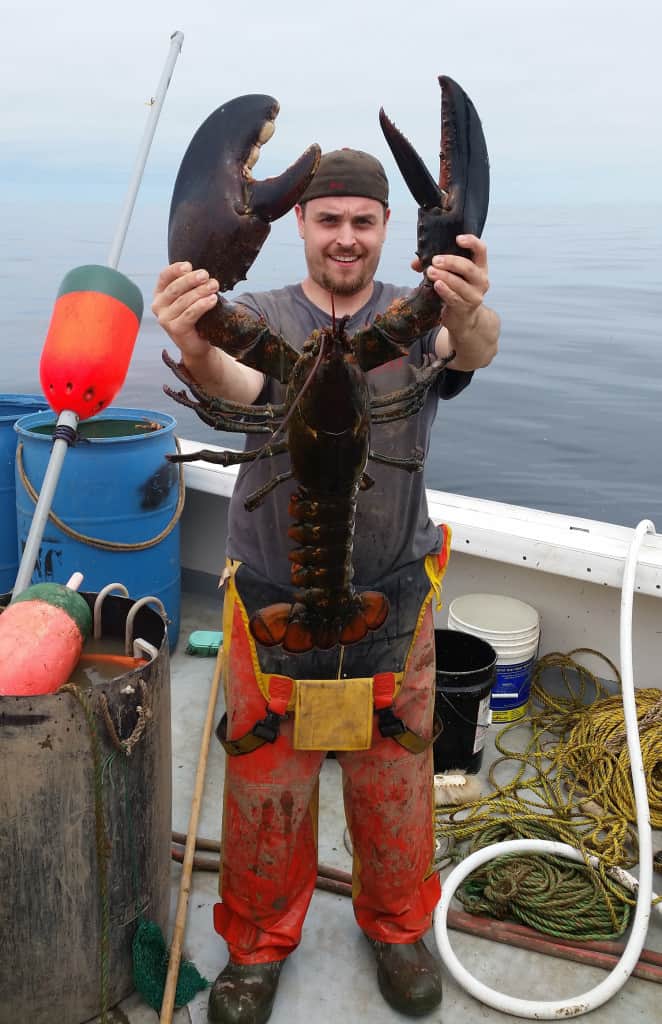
x=348, y=172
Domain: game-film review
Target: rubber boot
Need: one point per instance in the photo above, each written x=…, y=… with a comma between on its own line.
x=409, y=976
x=244, y=993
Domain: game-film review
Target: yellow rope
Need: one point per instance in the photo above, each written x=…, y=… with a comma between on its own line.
x=572, y=771
x=596, y=754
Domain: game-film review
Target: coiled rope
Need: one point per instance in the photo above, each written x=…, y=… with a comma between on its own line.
x=572, y=783
x=553, y=895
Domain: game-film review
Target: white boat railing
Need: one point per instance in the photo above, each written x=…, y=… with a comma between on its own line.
x=582, y=549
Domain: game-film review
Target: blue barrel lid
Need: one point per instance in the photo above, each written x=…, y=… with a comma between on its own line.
x=13, y=406
x=163, y=423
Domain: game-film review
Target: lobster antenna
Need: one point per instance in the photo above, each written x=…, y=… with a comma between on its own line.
x=281, y=427
x=304, y=387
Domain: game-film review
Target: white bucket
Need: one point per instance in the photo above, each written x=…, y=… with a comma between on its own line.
x=513, y=629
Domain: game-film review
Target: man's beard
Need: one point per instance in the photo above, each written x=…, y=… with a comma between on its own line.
x=349, y=287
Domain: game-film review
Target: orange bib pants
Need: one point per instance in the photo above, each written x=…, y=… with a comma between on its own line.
x=269, y=845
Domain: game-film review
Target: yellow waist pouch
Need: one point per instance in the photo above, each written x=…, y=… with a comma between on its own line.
x=333, y=714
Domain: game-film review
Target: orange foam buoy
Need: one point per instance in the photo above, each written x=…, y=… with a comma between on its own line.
x=41, y=637
x=90, y=340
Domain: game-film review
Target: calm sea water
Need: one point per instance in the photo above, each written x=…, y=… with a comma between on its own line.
x=568, y=417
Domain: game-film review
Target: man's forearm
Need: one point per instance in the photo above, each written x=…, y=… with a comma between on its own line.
x=222, y=376
x=475, y=341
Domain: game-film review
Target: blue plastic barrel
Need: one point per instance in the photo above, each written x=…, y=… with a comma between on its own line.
x=11, y=408
x=117, y=494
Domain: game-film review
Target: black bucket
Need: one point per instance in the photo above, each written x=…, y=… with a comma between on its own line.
x=465, y=675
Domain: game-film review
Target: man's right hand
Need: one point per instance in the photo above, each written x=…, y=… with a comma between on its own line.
x=181, y=297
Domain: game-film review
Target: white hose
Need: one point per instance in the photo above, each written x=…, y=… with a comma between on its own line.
x=574, y=1007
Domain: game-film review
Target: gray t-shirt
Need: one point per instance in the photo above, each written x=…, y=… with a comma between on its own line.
x=392, y=523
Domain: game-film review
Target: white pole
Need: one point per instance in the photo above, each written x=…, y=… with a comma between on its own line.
x=176, y=40
x=68, y=418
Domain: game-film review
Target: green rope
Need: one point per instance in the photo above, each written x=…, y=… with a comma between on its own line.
x=102, y=847
x=549, y=893
x=132, y=842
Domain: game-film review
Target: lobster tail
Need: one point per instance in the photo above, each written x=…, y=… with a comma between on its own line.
x=300, y=628
x=269, y=625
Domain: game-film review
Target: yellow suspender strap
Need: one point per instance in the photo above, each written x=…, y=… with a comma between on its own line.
x=267, y=729
x=389, y=724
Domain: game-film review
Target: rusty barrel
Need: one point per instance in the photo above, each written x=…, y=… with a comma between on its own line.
x=69, y=793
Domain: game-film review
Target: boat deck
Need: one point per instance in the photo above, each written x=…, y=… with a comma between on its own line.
x=331, y=976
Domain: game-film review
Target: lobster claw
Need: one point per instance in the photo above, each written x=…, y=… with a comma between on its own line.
x=219, y=215
x=458, y=204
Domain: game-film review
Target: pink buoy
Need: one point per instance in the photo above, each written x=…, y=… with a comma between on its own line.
x=41, y=638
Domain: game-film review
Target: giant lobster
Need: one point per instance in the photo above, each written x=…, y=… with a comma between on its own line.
x=219, y=219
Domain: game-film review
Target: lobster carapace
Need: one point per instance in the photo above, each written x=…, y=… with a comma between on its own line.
x=218, y=221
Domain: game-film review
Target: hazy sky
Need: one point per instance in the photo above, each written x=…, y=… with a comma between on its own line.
x=569, y=92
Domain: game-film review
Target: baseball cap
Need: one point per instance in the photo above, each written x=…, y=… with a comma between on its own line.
x=348, y=172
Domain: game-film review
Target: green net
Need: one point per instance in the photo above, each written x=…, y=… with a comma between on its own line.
x=150, y=967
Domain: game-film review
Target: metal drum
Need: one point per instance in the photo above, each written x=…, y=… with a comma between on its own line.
x=70, y=795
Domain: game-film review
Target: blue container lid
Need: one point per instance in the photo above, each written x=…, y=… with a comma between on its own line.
x=13, y=406
x=145, y=421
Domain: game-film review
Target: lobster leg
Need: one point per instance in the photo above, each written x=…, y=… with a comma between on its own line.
x=228, y=458
x=214, y=403
x=424, y=379
x=256, y=498
x=248, y=339
x=457, y=205
x=217, y=420
x=221, y=413
x=413, y=465
x=399, y=409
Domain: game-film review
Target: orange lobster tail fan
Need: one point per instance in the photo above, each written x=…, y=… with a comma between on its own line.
x=288, y=625
x=268, y=626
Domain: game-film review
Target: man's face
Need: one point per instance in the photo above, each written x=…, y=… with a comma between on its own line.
x=343, y=238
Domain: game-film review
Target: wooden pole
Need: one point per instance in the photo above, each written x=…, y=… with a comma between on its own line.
x=168, y=1004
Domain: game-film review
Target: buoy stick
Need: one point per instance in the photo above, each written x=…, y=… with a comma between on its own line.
x=43, y=506
x=176, y=40
x=74, y=581
x=67, y=418
x=168, y=1003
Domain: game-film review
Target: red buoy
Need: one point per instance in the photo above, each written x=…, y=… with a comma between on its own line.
x=90, y=339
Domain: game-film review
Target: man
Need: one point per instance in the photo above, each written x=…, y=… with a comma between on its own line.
x=269, y=859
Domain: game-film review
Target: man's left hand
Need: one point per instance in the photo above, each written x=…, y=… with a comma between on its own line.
x=461, y=282
x=468, y=327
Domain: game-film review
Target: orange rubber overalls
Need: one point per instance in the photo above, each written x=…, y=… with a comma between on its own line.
x=269, y=846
